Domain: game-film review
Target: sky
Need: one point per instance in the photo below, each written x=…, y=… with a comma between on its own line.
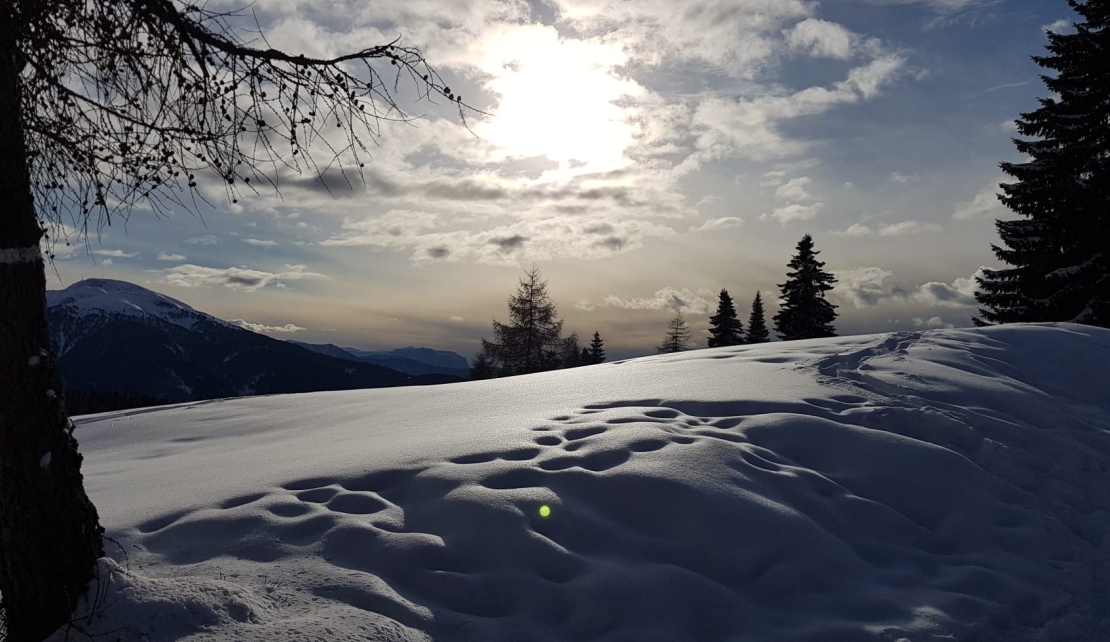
x=643, y=155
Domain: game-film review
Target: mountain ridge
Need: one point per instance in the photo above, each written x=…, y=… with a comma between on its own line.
x=410, y=359
x=117, y=337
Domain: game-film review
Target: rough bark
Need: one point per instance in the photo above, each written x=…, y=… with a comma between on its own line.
x=50, y=536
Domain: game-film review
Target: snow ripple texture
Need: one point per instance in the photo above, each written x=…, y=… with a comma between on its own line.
x=946, y=485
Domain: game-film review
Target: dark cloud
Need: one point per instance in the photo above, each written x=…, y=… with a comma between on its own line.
x=331, y=182
x=439, y=252
x=379, y=184
x=599, y=228
x=614, y=243
x=245, y=281
x=509, y=243
x=572, y=209
x=943, y=293
x=465, y=190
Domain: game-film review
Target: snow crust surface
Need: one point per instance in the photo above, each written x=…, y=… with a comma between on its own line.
x=945, y=485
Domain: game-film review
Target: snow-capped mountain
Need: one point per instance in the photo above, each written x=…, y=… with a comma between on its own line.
x=92, y=303
x=114, y=336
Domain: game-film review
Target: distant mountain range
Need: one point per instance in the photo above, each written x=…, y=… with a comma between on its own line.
x=410, y=360
x=117, y=337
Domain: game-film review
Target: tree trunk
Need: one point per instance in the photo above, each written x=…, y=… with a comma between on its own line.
x=50, y=536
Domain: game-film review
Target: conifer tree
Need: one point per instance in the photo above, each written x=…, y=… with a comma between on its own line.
x=725, y=329
x=483, y=367
x=584, y=358
x=1057, y=249
x=678, y=336
x=532, y=340
x=805, y=314
x=570, y=354
x=757, y=326
x=596, y=350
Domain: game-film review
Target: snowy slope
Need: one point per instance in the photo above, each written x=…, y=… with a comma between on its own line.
x=946, y=485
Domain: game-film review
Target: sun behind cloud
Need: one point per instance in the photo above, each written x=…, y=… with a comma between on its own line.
x=558, y=98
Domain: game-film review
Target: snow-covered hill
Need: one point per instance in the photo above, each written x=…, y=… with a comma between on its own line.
x=946, y=485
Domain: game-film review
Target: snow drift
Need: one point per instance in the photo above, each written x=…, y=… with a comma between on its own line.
x=945, y=485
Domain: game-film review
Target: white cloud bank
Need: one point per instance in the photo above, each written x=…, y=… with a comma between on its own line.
x=869, y=287
x=262, y=328
x=985, y=205
x=682, y=300
x=236, y=278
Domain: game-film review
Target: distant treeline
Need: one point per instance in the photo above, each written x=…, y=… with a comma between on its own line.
x=803, y=311
x=533, y=341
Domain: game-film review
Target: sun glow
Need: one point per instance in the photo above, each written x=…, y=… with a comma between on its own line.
x=558, y=98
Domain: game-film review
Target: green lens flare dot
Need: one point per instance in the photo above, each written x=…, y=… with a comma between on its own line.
x=545, y=511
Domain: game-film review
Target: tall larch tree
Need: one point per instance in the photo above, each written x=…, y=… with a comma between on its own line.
x=532, y=339
x=112, y=106
x=677, y=338
x=1057, y=250
x=757, y=325
x=805, y=313
x=725, y=329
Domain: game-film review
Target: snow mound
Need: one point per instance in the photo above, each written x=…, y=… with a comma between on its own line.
x=946, y=485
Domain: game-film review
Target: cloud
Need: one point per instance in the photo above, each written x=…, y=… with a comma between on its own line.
x=795, y=189
x=821, y=39
x=735, y=37
x=908, y=227
x=985, y=205
x=960, y=293
x=162, y=256
x=931, y=322
x=858, y=230
x=904, y=228
x=116, y=254
x=288, y=328
x=749, y=127
x=236, y=278
x=863, y=287
x=684, y=300
x=509, y=244
x=714, y=224
x=868, y=287
x=795, y=212
x=260, y=242
x=431, y=238
x=456, y=319
x=211, y=239
x=1008, y=85
x=903, y=179
x=1059, y=26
